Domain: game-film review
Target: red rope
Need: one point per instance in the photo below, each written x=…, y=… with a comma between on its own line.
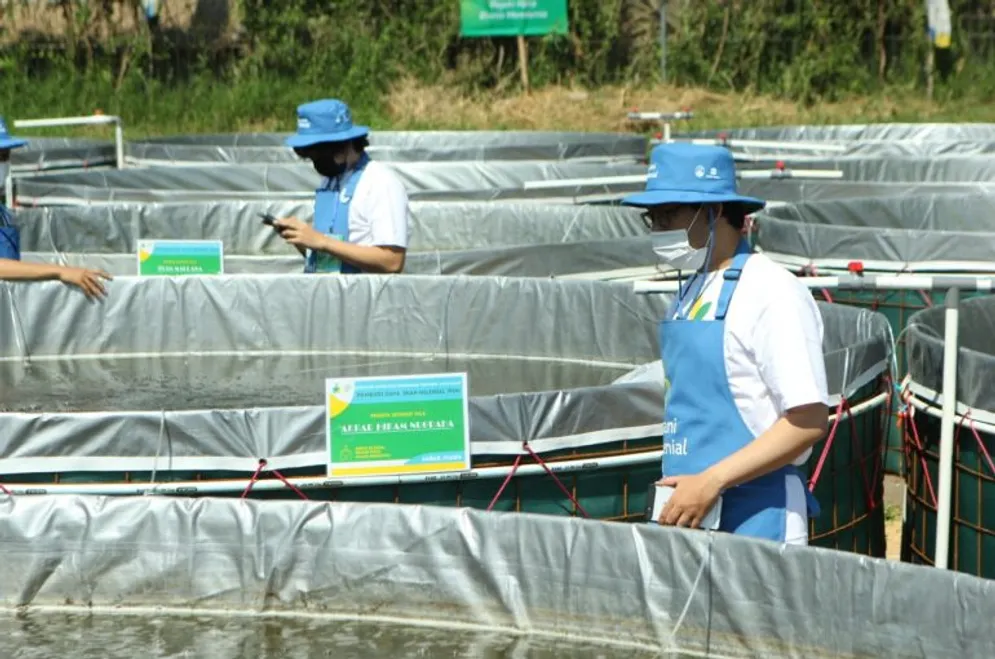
x=825, y=449
x=556, y=480
x=511, y=474
x=977, y=437
x=841, y=409
x=259, y=470
x=810, y=269
x=910, y=422
x=542, y=463
x=868, y=485
x=6, y=490
x=255, y=477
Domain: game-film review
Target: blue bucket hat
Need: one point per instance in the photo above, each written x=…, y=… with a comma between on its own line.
x=6, y=140
x=327, y=120
x=682, y=173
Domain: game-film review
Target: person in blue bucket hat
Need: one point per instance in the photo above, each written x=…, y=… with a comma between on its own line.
x=741, y=348
x=11, y=266
x=361, y=212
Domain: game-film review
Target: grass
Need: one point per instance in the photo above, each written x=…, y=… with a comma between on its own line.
x=201, y=106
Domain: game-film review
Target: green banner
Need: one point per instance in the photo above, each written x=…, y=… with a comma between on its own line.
x=397, y=425
x=511, y=18
x=180, y=257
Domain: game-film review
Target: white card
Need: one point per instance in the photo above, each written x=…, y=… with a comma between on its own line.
x=661, y=494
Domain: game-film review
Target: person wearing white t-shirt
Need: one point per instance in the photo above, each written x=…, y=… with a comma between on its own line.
x=742, y=359
x=361, y=212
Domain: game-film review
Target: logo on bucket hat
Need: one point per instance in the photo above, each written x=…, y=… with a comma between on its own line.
x=683, y=173
x=327, y=120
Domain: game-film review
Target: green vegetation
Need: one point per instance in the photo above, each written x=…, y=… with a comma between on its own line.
x=246, y=65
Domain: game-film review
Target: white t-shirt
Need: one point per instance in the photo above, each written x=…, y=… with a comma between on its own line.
x=773, y=342
x=379, y=213
x=773, y=356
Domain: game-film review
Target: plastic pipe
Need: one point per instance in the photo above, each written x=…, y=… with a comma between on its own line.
x=90, y=120
x=660, y=116
x=947, y=421
x=862, y=282
x=641, y=178
x=767, y=144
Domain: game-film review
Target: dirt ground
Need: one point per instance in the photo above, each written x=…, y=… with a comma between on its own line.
x=894, y=492
x=412, y=104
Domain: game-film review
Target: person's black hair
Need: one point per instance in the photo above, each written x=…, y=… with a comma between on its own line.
x=735, y=213
x=360, y=143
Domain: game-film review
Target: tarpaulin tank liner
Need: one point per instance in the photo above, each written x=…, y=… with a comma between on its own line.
x=205, y=376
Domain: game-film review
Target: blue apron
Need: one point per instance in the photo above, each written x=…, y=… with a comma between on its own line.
x=702, y=424
x=331, y=217
x=10, y=237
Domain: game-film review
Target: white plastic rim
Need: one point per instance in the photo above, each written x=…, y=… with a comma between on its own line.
x=911, y=282
x=631, y=179
x=930, y=402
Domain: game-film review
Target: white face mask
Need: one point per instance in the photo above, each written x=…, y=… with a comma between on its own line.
x=674, y=248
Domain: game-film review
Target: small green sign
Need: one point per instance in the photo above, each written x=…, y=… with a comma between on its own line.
x=387, y=426
x=511, y=18
x=180, y=257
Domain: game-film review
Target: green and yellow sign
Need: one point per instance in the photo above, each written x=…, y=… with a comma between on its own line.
x=512, y=18
x=180, y=257
x=385, y=426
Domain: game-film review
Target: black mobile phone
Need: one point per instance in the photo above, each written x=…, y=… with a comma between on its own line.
x=267, y=218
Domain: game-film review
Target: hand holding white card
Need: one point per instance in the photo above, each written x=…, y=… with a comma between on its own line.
x=660, y=494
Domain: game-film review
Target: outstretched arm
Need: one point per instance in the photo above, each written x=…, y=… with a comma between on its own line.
x=20, y=271
x=86, y=279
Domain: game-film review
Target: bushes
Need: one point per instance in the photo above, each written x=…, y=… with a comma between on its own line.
x=268, y=56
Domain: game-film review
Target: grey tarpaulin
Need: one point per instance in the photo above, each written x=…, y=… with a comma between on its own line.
x=637, y=587
x=975, y=356
x=397, y=146
x=870, y=141
x=919, y=232
x=299, y=181
x=956, y=169
x=890, y=132
x=524, y=239
x=51, y=153
x=243, y=331
x=804, y=158
x=797, y=190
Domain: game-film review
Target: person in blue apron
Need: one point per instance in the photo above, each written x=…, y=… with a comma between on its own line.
x=741, y=349
x=361, y=213
x=11, y=267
